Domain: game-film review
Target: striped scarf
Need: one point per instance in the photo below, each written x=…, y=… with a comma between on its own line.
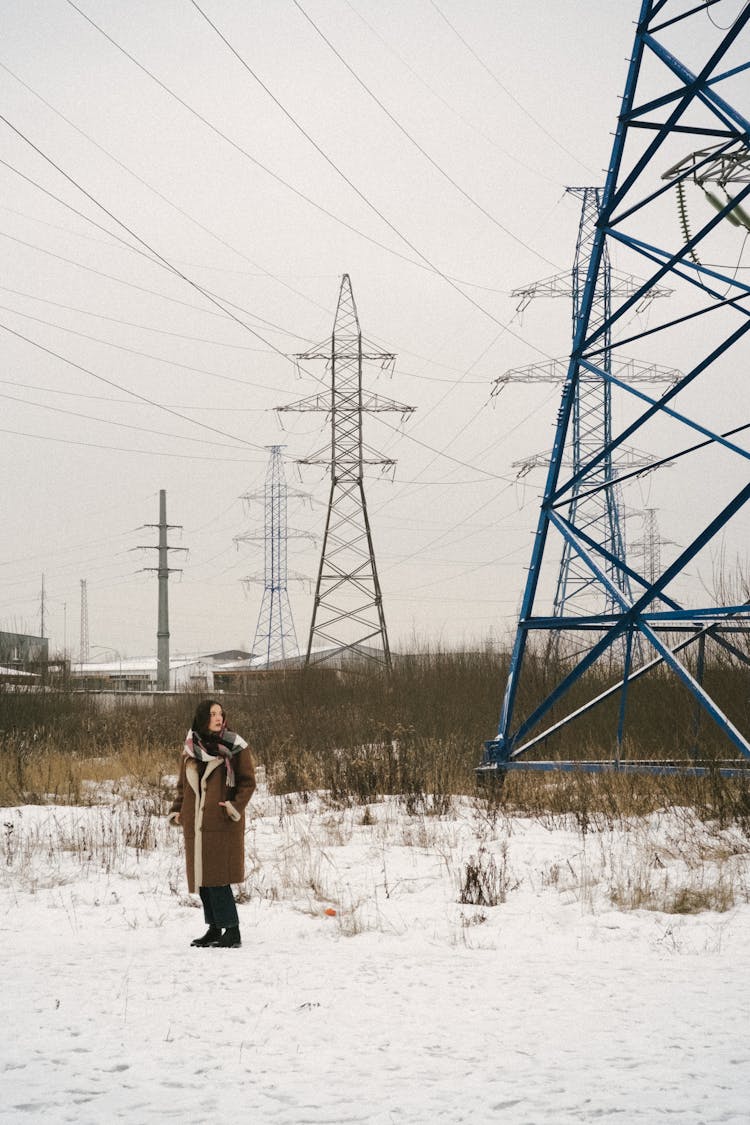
x=226, y=745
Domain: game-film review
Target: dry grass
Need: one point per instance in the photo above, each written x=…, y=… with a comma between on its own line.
x=416, y=733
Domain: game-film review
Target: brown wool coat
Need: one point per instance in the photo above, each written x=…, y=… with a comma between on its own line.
x=214, y=835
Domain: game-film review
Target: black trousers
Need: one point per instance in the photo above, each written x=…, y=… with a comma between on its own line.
x=219, y=906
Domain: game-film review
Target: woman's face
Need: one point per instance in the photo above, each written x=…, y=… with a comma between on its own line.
x=215, y=719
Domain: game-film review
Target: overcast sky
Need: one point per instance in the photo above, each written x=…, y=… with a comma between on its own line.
x=421, y=147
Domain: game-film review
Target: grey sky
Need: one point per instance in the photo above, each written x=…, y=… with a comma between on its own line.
x=511, y=102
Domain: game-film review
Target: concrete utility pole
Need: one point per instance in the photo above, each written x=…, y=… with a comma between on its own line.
x=163, y=571
x=84, y=649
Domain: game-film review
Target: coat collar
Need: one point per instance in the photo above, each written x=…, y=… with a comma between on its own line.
x=192, y=776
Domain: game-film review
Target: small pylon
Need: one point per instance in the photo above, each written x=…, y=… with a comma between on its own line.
x=275, y=636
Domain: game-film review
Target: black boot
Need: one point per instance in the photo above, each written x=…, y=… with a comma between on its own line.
x=230, y=939
x=212, y=935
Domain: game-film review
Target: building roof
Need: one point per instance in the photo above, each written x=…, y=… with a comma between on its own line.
x=148, y=664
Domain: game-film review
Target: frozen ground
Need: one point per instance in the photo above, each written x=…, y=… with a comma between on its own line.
x=405, y=1005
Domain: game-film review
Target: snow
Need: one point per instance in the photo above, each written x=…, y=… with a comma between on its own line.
x=555, y=1005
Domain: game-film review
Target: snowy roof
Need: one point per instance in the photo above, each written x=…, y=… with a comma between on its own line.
x=148, y=664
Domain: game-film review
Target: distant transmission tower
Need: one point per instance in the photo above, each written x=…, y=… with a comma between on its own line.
x=275, y=636
x=649, y=545
x=597, y=506
x=84, y=650
x=163, y=571
x=348, y=606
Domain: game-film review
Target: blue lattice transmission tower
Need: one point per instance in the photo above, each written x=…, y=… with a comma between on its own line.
x=599, y=511
x=683, y=121
x=348, y=605
x=275, y=636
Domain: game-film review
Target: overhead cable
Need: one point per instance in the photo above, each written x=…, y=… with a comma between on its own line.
x=127, y=390
x=446, y=175
x=509, y=94
x=360, y=194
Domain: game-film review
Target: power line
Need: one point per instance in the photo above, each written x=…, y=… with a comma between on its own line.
x=132, y=351
x=354, y=187
x=213, y=300
x=143, y=328
x=157, y=193
x=64, y=550
x=161, y=259
x=129, y=402
x=108, y=422
x=238, y=148
x=485, y=136
x=126, y=390
x=154, y=293
x=487, y=214
x=507, y=92
x=212, y=343
x=125, y=449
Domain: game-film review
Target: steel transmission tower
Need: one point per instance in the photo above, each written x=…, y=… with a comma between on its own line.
x=597, y=510
x=348, y=605
x=650, y=545
x=275, y=637
x=163, y=571
x=670, y=107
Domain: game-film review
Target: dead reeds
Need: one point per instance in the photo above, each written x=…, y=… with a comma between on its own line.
x=415, y=733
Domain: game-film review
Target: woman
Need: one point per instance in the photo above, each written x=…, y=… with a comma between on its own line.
x=216, y=782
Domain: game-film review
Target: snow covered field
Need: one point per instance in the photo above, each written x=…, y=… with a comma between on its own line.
x=562, y=1003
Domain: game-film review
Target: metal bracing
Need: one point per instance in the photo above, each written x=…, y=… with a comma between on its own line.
x=671, y=105
x=348, y=604
x=275, y=636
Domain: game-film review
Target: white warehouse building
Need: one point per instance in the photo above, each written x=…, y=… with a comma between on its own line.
x=186, y=672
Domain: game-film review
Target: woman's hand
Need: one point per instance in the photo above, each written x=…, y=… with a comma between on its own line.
x=230, y=810
x=175, y=819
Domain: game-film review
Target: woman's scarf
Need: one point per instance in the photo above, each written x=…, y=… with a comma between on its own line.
x=225, y=745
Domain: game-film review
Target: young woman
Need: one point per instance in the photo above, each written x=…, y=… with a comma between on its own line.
x=216, y=782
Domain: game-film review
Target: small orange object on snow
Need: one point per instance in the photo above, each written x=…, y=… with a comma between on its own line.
x=330, y=912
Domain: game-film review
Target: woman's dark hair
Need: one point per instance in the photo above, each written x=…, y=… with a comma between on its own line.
x=203, y=714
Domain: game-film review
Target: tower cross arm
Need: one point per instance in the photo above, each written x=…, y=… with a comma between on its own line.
x=155, y=547
x=627, y=369
x=323, y=459
x=561, y=285
x=371, y=403
x=715, y=165
x=311, y=402
x=557, y=286
x=374, y=403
